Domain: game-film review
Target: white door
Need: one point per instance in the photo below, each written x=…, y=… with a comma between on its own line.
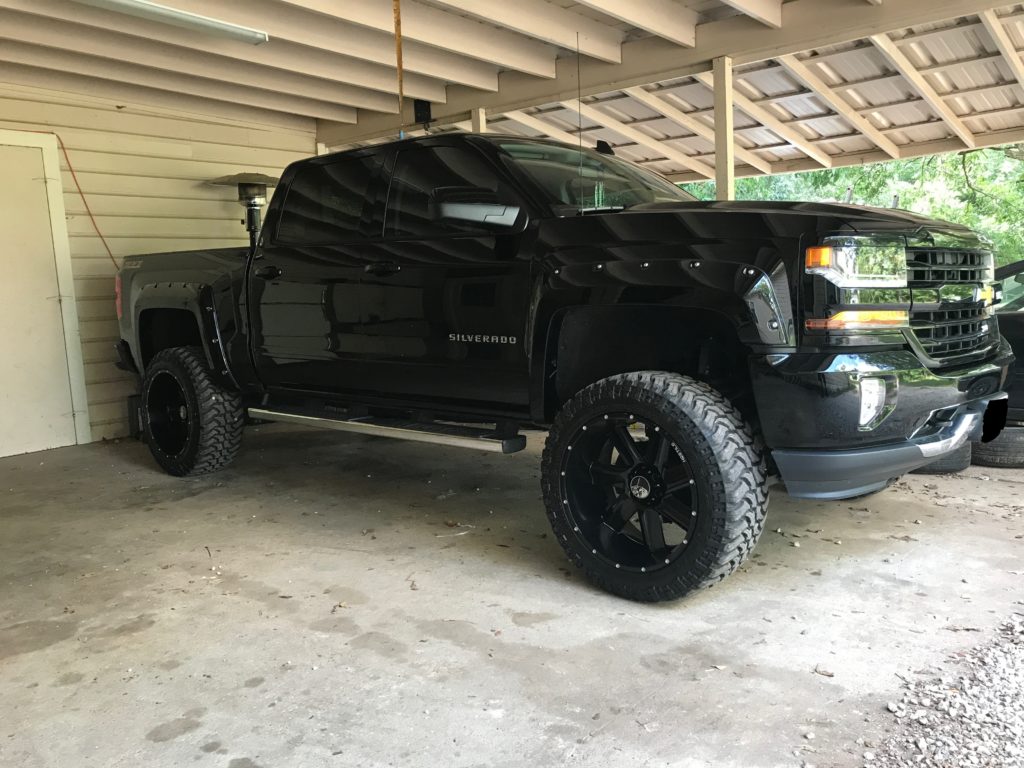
x=35, y=390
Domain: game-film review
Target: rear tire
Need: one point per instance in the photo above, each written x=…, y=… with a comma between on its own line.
x=191, y=424
x=654, y=485
x=1007, y=450
x=957, y=461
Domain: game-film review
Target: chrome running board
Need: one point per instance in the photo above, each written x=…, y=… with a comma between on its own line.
x=457, y=435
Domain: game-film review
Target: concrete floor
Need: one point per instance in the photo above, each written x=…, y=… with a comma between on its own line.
x=334, y=600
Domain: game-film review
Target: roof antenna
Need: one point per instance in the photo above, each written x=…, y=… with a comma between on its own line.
x=849, y=194
x=396, y=9
x=896, y=200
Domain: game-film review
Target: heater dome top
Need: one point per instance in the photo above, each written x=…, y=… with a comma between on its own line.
x=245, y=178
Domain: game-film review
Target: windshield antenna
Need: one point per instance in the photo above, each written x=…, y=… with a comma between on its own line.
x=849, y=194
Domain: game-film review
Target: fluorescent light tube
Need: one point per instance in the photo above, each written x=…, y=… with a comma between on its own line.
x=161, y=13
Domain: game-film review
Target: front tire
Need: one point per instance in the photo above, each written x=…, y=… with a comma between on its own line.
x=654, y=485
x=191, y=424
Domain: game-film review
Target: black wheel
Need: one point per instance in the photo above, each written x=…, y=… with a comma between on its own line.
x=191, y=424
x=958, y=460
x=1007, y=450
x=654, y=485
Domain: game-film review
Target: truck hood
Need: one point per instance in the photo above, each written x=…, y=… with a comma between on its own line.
x=856, y=217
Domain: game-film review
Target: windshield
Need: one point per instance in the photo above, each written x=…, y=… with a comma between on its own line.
x=589, y=180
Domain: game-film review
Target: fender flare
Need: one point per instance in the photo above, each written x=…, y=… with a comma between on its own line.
x=197, y=299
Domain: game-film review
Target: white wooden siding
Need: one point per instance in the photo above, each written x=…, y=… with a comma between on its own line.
x=143, y=172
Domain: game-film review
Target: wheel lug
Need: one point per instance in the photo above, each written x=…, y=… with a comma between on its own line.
x=593, y=551
x=666, y=561
x=616, y=565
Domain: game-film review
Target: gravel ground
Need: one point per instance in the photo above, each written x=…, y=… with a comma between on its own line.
x=970, y=717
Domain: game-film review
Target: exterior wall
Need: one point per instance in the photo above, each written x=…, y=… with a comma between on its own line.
x=143, y=172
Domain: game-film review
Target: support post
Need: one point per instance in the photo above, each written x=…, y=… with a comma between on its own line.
x=725, y=140
x=478, y=118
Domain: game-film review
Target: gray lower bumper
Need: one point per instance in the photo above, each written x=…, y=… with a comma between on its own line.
x=819, y=474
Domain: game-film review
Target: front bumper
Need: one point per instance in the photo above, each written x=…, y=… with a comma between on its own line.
x=809, y=407
x=819, y=474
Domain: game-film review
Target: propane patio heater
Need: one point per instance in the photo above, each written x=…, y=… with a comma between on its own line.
x=252, y=196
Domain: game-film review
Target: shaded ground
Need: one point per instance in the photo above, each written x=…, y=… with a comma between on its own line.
x=334, y=600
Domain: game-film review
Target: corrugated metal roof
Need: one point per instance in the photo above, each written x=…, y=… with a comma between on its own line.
x=958, y=60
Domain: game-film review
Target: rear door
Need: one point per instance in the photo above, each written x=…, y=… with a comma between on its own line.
x=445, y=301
x=304, y=287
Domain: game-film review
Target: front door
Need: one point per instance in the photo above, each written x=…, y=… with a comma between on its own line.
x=35, y=400
x=304, y=287
x=445, y=302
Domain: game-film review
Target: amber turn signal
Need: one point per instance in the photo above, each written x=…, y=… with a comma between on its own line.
x=860, y=319
x=818, y=257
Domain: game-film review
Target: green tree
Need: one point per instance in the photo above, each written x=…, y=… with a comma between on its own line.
x=982, y=189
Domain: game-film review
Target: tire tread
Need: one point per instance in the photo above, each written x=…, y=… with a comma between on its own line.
x=738, y=476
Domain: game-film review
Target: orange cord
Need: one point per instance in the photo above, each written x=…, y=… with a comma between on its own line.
x=81, y=194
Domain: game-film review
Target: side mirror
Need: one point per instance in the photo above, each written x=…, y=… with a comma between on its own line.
x=1019, y=277
x=474, y=205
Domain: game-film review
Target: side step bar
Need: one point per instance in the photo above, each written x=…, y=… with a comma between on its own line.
x=442, y=434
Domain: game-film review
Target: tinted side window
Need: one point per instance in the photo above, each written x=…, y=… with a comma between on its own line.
x=424, y=177
x=329, y=204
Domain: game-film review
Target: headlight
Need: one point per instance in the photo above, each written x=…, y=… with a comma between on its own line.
x=860, y=261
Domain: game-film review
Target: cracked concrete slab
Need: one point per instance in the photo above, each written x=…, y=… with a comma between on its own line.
x=334, y=600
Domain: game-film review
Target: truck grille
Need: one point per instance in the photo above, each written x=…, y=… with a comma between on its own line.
x=950, y=332
x=947, y=330
x=933, y=267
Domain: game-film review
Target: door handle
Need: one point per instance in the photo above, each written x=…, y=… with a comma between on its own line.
x=267, y=272
x=382, y=268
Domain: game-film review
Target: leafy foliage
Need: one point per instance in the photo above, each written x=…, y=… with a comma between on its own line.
x=982, y=189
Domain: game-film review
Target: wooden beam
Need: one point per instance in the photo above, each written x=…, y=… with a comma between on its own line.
x=692, y=124
x=725, y=138
x=809, y=24
x=23, y=30
x=138, y=99
x=291, y=25
x=116, y=72
x=478, y=122
x=291, y=57
x=542, y=127
x=639, y=137
x=905, y=67
x=840, y=106
x=924, y=149
x=420, y=23
x=765, y=117
x=663, y=18
x=541, y=20
x=768, y=12
x=997, y=31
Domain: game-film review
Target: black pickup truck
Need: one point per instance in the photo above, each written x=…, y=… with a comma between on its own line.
x=459, y=288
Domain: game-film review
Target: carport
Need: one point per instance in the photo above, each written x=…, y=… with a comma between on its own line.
x=340, y=600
